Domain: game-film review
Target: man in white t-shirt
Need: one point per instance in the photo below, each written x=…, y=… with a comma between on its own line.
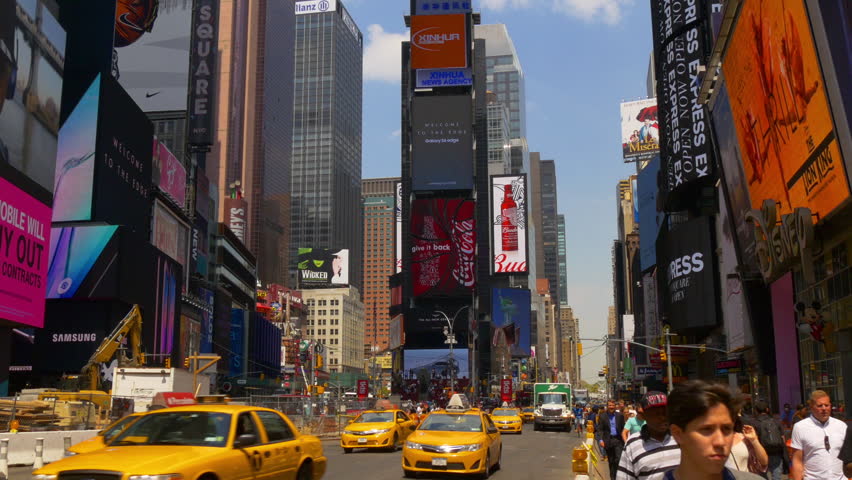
x=816, y=443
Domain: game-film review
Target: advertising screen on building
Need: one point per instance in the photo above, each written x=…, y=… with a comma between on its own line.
x=202, y=71
x=153, y=61
x=397, y=213
x=650, y=218
x=444, y=77
x=424, y=325
x=510, y=317
x=323, y=267
x=24, y=243
x=442, y=150
x=30, y=86
x=435, y=7
x=169, y=174
x=396, y=336
x=640, y=130
x=509, y=224
x=206, y=343
x=236, y=214
x=73, y=253
x=439, y=41
x=689, y=275
x=784, y=125
x=437, y=363
x=443, y=247
x=161, y=327
x=171, y=235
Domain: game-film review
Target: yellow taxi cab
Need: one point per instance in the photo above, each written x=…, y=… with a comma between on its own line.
x=458, y=439
x=528, y=414
x=385, y=429
x=103, y=437
x=200, y=442
x=508, y=420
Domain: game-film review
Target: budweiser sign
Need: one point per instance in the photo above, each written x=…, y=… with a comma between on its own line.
x=443, y=247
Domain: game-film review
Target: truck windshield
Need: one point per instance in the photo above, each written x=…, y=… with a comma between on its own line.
x=551, y=398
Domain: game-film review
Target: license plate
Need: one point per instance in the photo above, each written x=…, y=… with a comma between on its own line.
x=439, y=462
x=505, y=427
x=362, y=440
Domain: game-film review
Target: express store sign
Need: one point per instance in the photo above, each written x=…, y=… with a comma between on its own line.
x=439, y=41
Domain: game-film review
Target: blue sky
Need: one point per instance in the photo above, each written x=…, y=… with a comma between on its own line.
x=581, y=59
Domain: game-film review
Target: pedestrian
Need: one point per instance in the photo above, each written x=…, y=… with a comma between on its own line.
x=651, y=452
x=610, y=425
x=787, y=416
x=701, y=418
x=816, y=442
x=747, y=454
x=771, y=436
x=845, y=455
x=633, y=424
x=802, y=412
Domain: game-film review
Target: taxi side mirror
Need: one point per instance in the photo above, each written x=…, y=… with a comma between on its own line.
x=245, y=440
x=492, y=429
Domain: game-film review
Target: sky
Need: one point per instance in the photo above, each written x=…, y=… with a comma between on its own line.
x=581, y=59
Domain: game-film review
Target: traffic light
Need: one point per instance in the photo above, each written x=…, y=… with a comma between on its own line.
x=319, y=361
x=663, y=356
x=579, y=349
x=702, y=348
x=186, y=363
x=168, y=362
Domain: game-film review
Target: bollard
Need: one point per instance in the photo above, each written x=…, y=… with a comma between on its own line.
x=39, y=454
x=4, y=458
x=67, y=444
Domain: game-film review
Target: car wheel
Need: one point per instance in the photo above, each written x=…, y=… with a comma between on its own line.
x=394, y=445
x=409, y=473
x=536, y=427
x=347, y=450
x=497, y=465
x=487, y=472
x=305, y=472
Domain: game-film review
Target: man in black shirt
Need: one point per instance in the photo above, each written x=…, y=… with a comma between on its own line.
x=609, y=426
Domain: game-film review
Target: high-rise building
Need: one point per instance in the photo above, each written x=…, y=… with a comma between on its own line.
x=505, y=77
x=254, y=126
x=562, y=249
x=549, y=230
x=570, y=343
x=326, y=173
x=335, y=320
x=499, y=148
x=379, y=195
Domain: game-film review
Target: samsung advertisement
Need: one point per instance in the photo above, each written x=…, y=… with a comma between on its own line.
x=442, y=136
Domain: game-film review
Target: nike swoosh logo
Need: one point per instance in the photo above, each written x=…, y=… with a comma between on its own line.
x=149, y=95
x=123, y=19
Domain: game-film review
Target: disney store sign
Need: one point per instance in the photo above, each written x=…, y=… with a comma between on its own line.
x=779, y=244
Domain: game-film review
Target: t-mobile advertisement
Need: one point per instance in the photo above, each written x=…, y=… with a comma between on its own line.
x=442, y=150
x=690, y=296
x=443, y=247
x=24, y=237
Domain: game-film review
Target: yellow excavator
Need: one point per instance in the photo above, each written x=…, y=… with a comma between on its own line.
x=130, y=328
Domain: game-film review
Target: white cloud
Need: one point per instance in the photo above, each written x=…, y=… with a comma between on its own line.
x=382, y=55
x=396, y=133
x=501, y=4
x=608, y=11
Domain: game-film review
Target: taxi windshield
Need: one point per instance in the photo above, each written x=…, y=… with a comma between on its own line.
x=529, y=410
x=375, y=417
x=117, y=427
x=504, y=412
x=204, y=429
x=444, y=422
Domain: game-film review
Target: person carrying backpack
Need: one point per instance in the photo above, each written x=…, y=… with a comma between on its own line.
x=771, y=436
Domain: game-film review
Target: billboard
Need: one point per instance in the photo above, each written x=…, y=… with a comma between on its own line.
x=152, y=50
x=439, y=41
x=323, y=267
x=206, y=343
x=24, y=242
x=442, y=149
x=110, y=182
x=443, y=247
x=73, y=254
x=202, y=71
x=511, y=319
x=433, y=7
x=437, y=363
x=315, y=6
x=443, y=77
x=172, y=236
x=170, y=174
x=397, y=213
x=236, y=213
x=32, y=54
x=238, y=331
x=509, y=224
x=689, y=298
x=734, y=305
x=640, y=130
x=396, y=334
x=650, y=218
x=781, y=111
x=424, y=325
x=161, y=328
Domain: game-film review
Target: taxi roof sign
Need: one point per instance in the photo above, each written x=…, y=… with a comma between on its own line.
x=458, y=402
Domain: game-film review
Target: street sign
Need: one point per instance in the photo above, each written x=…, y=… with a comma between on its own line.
x=319, y=348
x=648, y=371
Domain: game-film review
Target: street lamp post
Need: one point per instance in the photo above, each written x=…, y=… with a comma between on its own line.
x=451, y=340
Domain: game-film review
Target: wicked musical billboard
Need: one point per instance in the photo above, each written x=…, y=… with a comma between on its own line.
x=791, y=154
x=323, y=267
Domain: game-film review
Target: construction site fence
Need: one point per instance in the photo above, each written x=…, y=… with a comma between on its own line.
x=316, y=415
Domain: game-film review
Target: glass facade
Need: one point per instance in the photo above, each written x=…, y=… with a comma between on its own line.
x=505, y=78
x=326, y=165
x=549, y=227
x=499, y=153
x=562, y=250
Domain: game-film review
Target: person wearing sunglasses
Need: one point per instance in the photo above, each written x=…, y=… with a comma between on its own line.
x=816, y=442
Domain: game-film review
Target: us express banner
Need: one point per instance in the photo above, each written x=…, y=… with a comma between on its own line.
x=443, y=247
x=509, y=224
x=784, y=126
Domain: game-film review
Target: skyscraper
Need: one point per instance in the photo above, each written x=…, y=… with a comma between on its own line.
x=326, y=172
x=505, y=77
x=379, y=198
x=562, y=249
x=549, y=227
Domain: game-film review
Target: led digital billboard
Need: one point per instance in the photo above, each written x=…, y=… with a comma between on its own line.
x=73, y=253
x=437, y=363
x=435, y=7
x=511, y=319
x=439, y=41
x=161, y=327
x=442, y=149
x=443, y=247
x=791, y=154
x=424, y=325
x=397, y=214
x=640, y=130
x=509, y=224
x=236, y=215
x=169, y=173
x=650, y=217
x=323, y=267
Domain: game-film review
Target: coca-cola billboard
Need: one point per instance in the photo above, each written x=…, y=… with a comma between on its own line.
x=509, y=224
x=506, y=390
x=443, y=247
x=363, y=389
